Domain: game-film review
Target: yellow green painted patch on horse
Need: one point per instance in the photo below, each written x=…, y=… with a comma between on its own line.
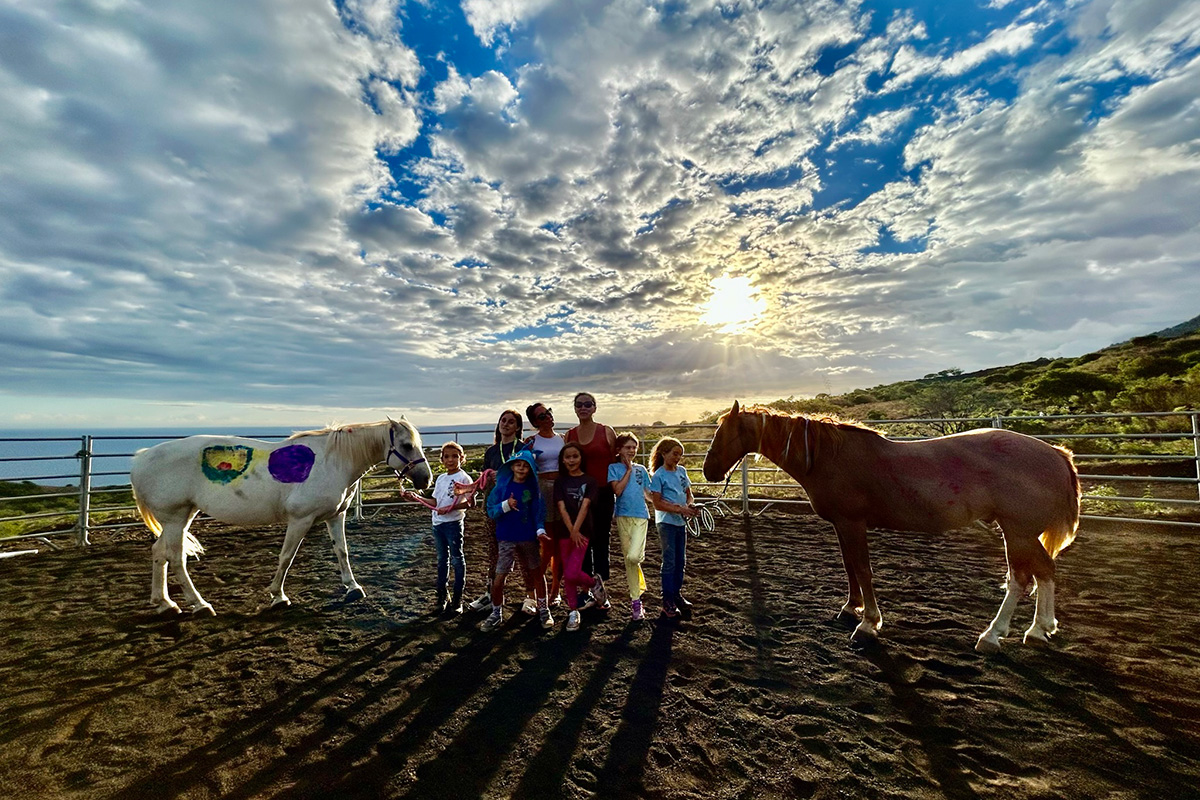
x=223, y=463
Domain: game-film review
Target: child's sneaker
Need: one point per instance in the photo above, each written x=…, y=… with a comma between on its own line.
x=573, y=620
x=638, y=612
x=669, y=609
x=484, y=601
x=529, y=606
x=547, y=620
x=493, y=620
x=557, y=601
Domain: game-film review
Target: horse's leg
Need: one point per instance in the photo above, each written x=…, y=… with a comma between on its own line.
x=851, y=612
x=989, y=640
x=1044, y=624
x=171, y=535
x=296, y=530
x=337, y=534
x=177, y=554
x=852, y=535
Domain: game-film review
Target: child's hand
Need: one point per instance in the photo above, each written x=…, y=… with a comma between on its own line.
x=543, y=535
x=512, y=502
x=691, y=511
x=577, y=539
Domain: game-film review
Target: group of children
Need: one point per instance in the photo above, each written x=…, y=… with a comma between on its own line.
x=562, y=524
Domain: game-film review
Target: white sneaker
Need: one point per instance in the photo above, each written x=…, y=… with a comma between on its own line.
x=573, y=621
x=529, y=606
x=557, y=601
x=480, y=603
x=547, y=619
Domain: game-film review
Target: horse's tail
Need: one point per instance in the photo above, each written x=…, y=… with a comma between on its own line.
x=145, y=513
x=1061, y=533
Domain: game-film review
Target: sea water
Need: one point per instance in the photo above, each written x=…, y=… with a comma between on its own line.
x=52, y=457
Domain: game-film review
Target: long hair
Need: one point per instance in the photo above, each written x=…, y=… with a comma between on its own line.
x=662, y=447
x=520, y=425
x=582, y=457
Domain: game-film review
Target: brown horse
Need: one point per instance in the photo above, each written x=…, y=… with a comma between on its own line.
x=858, y=479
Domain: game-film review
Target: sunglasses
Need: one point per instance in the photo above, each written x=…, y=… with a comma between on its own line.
x=585, y=404
x=547, y=414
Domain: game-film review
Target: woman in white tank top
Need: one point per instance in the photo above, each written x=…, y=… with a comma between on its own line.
x=545, y=446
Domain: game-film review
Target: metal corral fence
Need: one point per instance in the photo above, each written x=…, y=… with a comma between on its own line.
x=1141, y=468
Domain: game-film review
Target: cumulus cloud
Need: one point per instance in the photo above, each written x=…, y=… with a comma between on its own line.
x=312, y=205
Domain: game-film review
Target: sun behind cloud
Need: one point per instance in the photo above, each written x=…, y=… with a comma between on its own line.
x=733, y=306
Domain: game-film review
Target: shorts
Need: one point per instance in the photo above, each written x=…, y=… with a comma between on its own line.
x=527, y=554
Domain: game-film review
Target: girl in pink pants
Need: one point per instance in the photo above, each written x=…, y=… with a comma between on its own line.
x=574, y=493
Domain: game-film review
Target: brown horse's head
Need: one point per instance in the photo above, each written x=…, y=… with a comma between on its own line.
x=737, y=434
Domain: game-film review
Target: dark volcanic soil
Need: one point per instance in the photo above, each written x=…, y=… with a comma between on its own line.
x=758, y=696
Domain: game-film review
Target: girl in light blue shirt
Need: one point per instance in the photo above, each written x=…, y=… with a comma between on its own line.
x=671, y=493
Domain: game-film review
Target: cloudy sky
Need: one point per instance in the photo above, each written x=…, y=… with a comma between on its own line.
x=298, y=211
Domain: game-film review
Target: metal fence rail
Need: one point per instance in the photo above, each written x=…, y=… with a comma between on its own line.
x=1169, y=441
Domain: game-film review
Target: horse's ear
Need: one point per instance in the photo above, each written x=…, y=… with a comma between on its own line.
x=733, y=412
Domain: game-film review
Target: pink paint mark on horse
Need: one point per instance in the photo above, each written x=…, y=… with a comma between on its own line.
x=858, y=479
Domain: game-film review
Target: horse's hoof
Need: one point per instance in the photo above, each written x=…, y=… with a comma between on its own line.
x=1033, y=636
x=204, y=610
x=846, y=619
x=171, y=610
x=862, y=639
x=279, y=603
x=987, y=646
x=354, y=595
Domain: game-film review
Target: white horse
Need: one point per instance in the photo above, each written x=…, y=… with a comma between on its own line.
x=305, y=479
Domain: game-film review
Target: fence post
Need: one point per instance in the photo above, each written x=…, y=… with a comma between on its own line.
x=997, y=422
x=85, y=490
x=1196, y=447
x=745, y=489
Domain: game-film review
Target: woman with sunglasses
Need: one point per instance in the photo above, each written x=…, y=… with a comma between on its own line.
x=599, y=443
x=545, y=445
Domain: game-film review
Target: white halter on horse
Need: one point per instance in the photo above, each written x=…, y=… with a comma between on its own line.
x=305, y=479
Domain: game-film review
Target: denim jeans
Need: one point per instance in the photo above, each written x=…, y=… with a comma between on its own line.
x=448, y=542
x=674, y=556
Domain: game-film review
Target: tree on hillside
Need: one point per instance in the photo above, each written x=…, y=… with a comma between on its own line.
x=1069, y=388
x=961, y=400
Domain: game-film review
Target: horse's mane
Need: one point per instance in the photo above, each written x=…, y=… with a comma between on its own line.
x=833, y=423
x=355, y=443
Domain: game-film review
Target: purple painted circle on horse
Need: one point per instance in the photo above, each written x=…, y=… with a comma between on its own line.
x=291, y=464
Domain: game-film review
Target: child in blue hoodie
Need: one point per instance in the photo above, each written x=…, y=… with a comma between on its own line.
x=520, y=513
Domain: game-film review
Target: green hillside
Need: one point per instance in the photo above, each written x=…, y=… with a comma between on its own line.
x=1157, y=372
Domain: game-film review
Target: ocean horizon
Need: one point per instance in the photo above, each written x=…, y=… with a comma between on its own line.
x=49, y=456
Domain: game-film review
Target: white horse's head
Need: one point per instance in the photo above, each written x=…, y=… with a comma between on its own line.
x=405, y=454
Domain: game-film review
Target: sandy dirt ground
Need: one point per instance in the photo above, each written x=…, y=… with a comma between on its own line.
x=759, y=695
